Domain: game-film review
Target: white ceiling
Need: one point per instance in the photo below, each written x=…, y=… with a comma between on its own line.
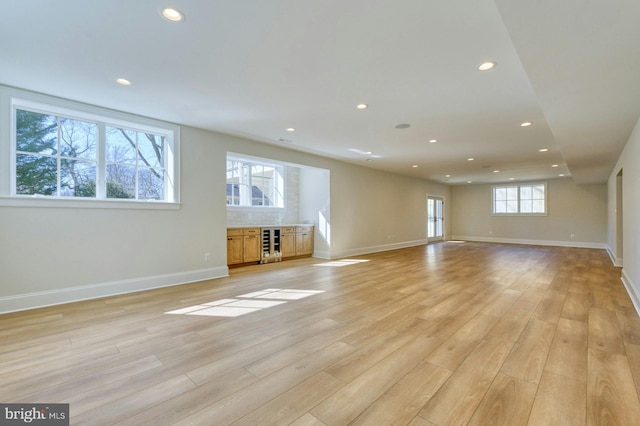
x=254, y=68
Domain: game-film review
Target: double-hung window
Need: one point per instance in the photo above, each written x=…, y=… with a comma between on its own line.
x=61, y=153
x=524, y=199
x=254, y=183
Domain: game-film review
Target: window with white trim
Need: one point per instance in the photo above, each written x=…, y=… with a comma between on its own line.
x=254, y=183
x=524, y=199
x=62, y=153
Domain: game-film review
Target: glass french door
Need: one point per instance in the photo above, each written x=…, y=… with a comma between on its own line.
x=435, y=219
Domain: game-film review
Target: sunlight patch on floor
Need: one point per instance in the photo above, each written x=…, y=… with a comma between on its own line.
x=342, y=262
x=246, y=303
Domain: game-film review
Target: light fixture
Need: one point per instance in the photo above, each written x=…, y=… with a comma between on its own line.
x=403, y=126
x=561, y=175
x=173, y=15
x=468, y=181
x=512, y=178
x=470, y=159
x=486, y=66
x=496, y=171
x=526, y=124
x=433, y=141
x=447, y=175
x=554, y=165
x=369, y=152
x=362, y=106
x=290, y=129
x=543, y=150
x=123, y=81
x=414, y=166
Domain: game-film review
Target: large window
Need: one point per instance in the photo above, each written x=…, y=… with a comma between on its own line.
x=520, y=199
x=61, y=153
x=253, y=183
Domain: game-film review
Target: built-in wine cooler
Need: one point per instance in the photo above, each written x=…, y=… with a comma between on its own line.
x=271, y=249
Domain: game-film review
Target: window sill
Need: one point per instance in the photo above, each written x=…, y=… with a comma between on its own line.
x=43, y=202
x=519, y=214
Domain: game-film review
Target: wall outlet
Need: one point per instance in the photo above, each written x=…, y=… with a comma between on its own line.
x=572, y=236
x=207, y=256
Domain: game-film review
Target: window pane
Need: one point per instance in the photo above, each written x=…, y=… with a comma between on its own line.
x=538, y=206
x=525, y=206
x=35, y=132
x=77, y=139
x=500, y=194
x=151, y=149
x=150, y=184
x=121, y=181
x=512, y=206
x=121, y=146
x=525, y=192
x=501, y=207
x=77, y=178
x=538, y=192
x=36, y=174
x=512, y=193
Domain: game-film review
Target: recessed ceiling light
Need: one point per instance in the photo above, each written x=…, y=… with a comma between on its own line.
x=447, y=175
x=362, y=106
x=468, y=181
x=485, y=66
x=414, y=166
x=173, y=15
x=470, y=159
x=512, y=178
x=554, y=165
x=561, y=174
x=369, y=152
x=290, y=129
x=526, y=124
x=123, y=81
x=543, y=150
x=433, y=141
x=403, y=126
x=496, y=171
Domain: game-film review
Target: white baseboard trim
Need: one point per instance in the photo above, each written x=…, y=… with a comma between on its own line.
x=616, y=260
x=376, y=249
x=321, y=254
x=631, y=289
x=41, y=299
x=576, y=244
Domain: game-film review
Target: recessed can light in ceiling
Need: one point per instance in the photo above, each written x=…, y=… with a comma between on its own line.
x=171, y=14
x=496, y=171
x=447, y=175
x=554, y=165
x=403, y=126
x=543, y=150
x=468, y=181
x=362, y=106
x=526, y=124
x=414, y=166
x=561, y=175
x=123, y=81
x=486, y=66
x=433, y=141
x=470, y=159
x=290, y=129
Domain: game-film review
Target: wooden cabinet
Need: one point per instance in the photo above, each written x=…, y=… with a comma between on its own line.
x=246, y=245
x=243, y=245
x=304, y=240
x=288, y=243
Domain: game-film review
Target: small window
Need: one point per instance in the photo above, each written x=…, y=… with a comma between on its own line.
x=252, y=183
x=62, y=153
x=526, y=199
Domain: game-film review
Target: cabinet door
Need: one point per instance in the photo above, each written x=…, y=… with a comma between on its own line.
x=304, y=244
x=251, y=248
x=234, y=250
x=288, y=245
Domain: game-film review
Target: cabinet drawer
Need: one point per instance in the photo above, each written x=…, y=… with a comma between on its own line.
x=232, y=232
x=288, y=229
x=300, y=229
x=251, y=231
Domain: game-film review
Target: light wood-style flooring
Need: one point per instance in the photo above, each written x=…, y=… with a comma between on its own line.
x=444, y=334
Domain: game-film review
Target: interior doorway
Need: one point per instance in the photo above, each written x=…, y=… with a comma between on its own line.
x=435, y=218
x=619, y=220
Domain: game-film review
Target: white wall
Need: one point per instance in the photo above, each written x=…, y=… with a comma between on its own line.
x=629, y=163
x=56, y=255
x=578, y=210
